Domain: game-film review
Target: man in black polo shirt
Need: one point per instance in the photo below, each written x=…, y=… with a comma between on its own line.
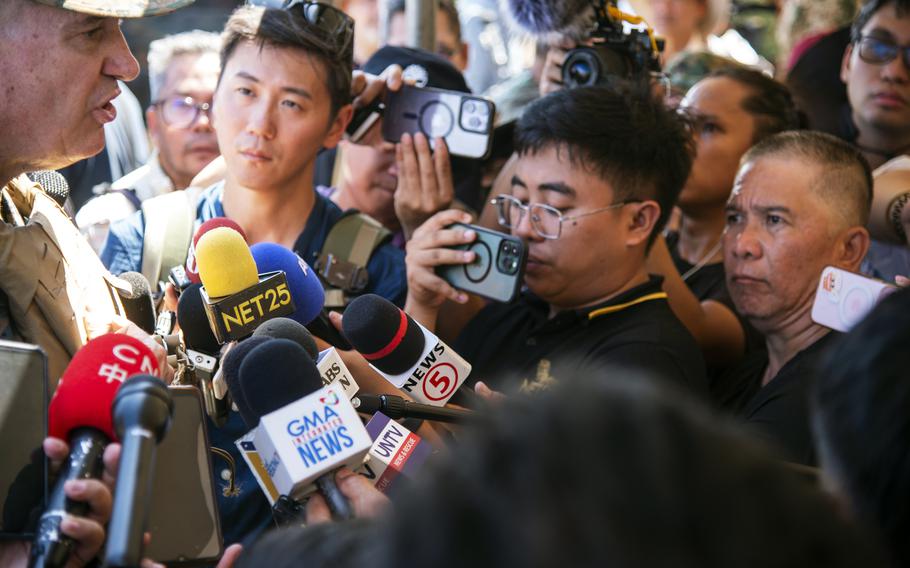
x=800, y=203
x=596, y=177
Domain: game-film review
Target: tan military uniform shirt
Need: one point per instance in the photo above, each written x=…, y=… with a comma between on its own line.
x=59, y=293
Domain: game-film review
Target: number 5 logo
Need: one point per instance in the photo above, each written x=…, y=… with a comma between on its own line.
x=440, y=381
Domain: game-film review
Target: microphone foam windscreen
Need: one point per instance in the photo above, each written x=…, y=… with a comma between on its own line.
x=89, y=384
x=275, y=374
x=197, y=332
x=138, y=303
x=306, y=289
x=225, y=263
x=230, y=370
x=385, y=335
x=192, y=271
x=286, y=328
x=551, y=18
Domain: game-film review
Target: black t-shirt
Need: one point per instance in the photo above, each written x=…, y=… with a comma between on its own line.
x=707, y=283
x=518, y=345
x=779, y=411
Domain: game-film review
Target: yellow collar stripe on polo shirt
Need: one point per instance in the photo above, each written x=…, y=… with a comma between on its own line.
x=620, y=307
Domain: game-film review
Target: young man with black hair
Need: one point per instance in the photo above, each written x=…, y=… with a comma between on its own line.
x=283, y=94
x=587, y=200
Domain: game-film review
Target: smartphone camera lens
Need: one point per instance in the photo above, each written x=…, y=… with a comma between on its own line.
x=475, y=115
x=508, y=257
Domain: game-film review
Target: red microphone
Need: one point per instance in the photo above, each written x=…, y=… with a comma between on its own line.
x=192, y=271
x=80, y=412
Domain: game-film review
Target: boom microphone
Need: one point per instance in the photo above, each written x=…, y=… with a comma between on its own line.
x=306, y=431
x=404, y=352
x=80, y=412
x=138, y=304
x=142, y=412
x=552, y=19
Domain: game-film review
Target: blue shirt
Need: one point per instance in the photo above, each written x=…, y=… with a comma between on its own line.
x=245, y=511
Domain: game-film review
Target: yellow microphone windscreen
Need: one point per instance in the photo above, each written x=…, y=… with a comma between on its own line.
x=225, y=263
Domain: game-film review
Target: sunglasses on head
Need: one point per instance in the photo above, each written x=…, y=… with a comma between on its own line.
x=329, y=19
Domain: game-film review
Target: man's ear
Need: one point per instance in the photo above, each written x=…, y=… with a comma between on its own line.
x=845, y=64
x=851, y=249
x=337, y=126
x=641, y=223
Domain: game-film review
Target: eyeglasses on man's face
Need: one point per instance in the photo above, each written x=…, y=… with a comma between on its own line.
x=544, y=219
x=180, y=111
x=878, y=51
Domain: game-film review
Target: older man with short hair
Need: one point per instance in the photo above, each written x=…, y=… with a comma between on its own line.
x=800, y=203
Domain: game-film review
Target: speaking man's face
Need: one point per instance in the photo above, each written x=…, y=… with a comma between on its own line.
x=60, y=72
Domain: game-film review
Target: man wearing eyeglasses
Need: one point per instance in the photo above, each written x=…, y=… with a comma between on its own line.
x=876, y=70
x=183, y=72
x=596, y=177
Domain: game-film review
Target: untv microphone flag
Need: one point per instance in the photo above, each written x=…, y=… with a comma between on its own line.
x=395, y=451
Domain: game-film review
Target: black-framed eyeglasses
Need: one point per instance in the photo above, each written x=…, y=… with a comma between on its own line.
x=545, y=220
x=333, y=22
x=879, y=51
x=180, y=111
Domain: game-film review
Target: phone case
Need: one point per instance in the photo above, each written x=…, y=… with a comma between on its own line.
x=463, y=120
x=498, y=268
x=183, y=516
x=844, y=298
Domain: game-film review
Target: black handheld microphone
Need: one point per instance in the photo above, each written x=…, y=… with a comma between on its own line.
x=202, y=351
x=142, y=413
x=138, y=304
x=275, y=374
x=286, y=328
x=398, y=407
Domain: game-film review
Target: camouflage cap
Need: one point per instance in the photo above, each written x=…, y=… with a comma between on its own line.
x=119, y=8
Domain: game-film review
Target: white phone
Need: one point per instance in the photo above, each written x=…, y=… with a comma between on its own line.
x=844, y=298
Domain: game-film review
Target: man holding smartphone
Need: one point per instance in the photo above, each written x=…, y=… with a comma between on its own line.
x=587, y=200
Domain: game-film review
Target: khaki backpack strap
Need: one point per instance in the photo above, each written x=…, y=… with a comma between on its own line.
x=168, y=230
x=342, y=263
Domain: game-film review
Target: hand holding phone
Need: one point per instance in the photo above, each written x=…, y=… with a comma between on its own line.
x=464, y=121
x=498, y=267
x=844, y=298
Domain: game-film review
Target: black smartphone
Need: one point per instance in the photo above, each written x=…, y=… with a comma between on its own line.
x=183, y=517
x=463, y=120
x=498, y=267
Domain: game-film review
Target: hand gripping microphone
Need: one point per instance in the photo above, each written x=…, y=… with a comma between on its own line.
x=202, y=351
x=80, y=412
x=404, y=352
x=190, y=269
x=142, y=414
x=237, y=298
x=138, y=304
x=306, y=431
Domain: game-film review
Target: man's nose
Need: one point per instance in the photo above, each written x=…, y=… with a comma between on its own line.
x=744, y=241
x=119, y=63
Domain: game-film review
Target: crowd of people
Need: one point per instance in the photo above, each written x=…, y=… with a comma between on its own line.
x=660, y=391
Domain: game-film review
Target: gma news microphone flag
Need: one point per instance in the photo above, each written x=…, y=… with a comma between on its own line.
x=310, y=437
x=332, y=370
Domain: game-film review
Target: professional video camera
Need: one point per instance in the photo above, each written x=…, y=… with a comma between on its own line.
x=614, y=53
x=609, y=54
